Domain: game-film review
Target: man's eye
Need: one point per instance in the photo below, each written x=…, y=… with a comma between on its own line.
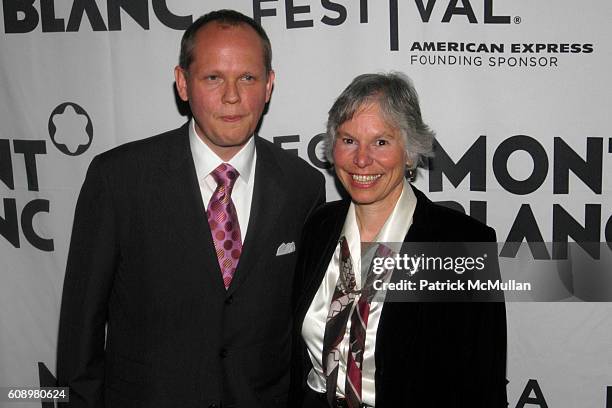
x=212, y=77
x=248, y=77
x=382, y=142
x=347, y=140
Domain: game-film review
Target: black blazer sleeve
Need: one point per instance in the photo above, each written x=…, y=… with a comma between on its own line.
x=92, y=260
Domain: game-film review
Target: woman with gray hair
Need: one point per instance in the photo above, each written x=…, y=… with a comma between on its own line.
x=350, y=348
x=398, y=103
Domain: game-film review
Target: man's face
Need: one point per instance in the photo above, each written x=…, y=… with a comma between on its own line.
x=226, y=85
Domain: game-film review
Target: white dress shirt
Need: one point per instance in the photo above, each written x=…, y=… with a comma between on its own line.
x=313, y=329
x=244, y=161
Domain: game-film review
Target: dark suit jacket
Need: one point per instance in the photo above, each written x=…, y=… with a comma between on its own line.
x=141, y=258
x=427, y=354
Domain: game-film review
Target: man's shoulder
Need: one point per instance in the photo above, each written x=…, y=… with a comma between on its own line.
x=153, y=148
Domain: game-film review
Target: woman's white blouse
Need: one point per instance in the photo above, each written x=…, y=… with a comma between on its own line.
x=313, y=329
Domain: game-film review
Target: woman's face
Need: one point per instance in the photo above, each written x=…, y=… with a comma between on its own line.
x=370, y=158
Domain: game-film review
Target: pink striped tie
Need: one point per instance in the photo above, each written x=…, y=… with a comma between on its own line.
x=223, y=222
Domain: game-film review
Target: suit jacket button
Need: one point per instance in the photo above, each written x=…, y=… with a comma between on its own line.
x=229, y=299
x=223, y=352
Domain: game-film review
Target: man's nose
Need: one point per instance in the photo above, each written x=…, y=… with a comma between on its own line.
x=231, y=93
x=362, y=156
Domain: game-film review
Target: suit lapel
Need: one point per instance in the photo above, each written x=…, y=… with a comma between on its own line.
x=268, y=202
x=180, y=192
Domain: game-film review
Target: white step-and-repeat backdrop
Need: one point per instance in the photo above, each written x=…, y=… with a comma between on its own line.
x=519, y=93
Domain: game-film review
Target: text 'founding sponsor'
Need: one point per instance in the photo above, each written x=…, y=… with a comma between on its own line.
x=514, y=55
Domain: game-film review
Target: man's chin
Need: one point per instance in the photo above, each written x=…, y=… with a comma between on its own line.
x=228, y=141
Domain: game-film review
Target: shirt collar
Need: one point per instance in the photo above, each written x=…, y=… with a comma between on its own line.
x=397, y=225
x=206, y=160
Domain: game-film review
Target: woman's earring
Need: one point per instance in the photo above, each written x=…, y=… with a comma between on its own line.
x=411, y=174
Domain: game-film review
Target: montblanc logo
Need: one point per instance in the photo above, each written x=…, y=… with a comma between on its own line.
x=70, y=129
x=22, y=16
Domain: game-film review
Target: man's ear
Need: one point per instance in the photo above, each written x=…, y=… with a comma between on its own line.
x=270, y=85
x=180, y=77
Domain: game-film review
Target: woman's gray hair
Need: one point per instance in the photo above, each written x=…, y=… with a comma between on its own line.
x=399, y=103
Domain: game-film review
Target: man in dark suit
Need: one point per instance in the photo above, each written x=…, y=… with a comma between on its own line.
x=178, y=282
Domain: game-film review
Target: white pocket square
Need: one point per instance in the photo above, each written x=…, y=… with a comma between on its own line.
x=285, y=248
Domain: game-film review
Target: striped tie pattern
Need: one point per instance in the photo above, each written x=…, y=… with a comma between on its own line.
x=359, y=324
x=223, y=222
x=341, y=309
x=337, y=317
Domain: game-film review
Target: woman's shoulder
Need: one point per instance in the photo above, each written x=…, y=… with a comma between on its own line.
x=328, y=216
x=451, y=223
x=331, y=209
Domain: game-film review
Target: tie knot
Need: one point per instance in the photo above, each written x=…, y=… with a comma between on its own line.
x=225, y=175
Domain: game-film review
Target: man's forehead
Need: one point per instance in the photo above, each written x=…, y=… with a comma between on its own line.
x=224, y=38
x=214, y=27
